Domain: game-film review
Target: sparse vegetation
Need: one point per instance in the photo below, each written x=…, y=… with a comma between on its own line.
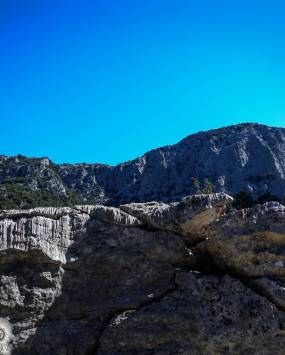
x=243, y=199
x=267, y=197
x=15, y=195
x=196, y=184
x=206, y=188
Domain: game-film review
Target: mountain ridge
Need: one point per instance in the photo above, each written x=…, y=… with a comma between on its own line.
x=246, y=156
x=212, y=130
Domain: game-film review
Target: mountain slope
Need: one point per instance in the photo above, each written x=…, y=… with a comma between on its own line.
x=245, y=156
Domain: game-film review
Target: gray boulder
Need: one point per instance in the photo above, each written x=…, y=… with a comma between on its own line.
x=190, y=277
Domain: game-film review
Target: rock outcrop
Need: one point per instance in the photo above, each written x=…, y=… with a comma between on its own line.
x=189, y=277
x=242, y=157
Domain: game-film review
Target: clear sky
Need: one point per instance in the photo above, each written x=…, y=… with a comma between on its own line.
x=106, y=80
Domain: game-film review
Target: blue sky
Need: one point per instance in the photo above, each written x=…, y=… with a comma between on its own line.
x=106, y=80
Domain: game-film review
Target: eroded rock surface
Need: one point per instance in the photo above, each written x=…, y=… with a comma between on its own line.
x=204, y=315
x=190, y=277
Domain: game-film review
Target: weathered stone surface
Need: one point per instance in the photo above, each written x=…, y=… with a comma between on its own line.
x=250, y=242
x=272, y=289
x=143, y=279
x=189, y=218
x=204, y=315
x=110, y=215
x=47, y=232
x=82, y=266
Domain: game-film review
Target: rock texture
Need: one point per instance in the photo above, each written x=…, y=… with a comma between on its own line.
x=242, y=157
x=189, y=277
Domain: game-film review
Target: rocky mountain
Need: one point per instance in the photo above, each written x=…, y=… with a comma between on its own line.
x=246, y=156
x=188, y=277
x=242, y=157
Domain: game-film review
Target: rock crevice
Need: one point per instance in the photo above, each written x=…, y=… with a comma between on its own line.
x=185, y=277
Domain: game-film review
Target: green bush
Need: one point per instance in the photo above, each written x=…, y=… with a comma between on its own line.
x=13, y=195
x=207, y=188
x=242, y=199
x=196, y=185
x=267, y=197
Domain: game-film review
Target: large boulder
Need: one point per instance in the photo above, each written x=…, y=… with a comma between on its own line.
x=191, y=277
x=206, y=314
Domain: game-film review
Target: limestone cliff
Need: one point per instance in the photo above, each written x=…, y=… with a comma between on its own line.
x=188, y=277
x=243, y=157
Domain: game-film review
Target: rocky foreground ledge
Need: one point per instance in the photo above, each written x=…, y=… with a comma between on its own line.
x=193, y=277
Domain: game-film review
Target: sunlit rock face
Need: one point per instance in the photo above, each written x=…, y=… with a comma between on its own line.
x=242, y=157
x=189, y=277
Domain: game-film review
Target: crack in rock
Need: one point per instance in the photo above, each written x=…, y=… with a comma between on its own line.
x=184, y=277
